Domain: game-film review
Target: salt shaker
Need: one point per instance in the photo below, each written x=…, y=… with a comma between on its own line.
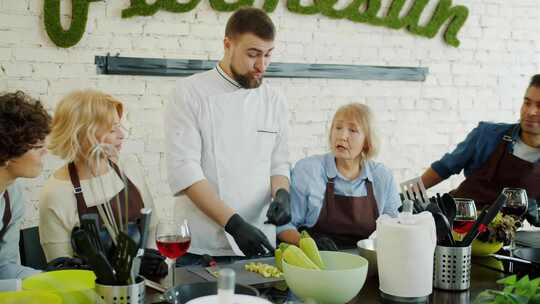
x=226, y=283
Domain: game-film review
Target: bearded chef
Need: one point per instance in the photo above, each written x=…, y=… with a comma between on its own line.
x=226, y=147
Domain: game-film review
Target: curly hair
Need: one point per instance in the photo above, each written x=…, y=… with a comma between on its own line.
x=23, y=123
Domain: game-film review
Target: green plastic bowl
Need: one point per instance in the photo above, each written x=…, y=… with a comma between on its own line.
x=29, y=297
x=73, y=286
x=344, y=276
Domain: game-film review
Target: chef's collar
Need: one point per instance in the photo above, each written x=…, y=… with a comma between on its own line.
x=227, y=77
x=332, y=171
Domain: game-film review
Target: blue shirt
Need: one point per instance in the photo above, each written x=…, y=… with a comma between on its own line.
x=308, y=186
x=475, y=150
x=9, y=246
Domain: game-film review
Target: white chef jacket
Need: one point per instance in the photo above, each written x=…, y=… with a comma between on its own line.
x=235, y=138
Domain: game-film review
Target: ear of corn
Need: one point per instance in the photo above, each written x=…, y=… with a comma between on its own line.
x=295, y=256
x=278, y=256
x=309, y=247
x=283, y=246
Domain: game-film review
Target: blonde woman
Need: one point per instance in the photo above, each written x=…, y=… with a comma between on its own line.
x=87, y=134
x=338, y=196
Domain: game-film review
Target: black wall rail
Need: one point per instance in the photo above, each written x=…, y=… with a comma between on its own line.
x=116, y=65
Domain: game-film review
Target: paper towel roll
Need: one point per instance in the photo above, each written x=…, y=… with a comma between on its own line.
x=405, y=249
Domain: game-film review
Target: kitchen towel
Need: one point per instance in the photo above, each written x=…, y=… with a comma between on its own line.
x=405, y=247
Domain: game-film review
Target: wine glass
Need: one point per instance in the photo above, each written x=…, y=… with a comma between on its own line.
x=173, y=238
x=515, y=206
x=465, y=215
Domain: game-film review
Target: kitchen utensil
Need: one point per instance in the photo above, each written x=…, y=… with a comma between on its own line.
x=366, y=249
x=243, y=276
x=484, y=219
x=122, y=259
x=154, y=285
x=449, y=207
x=414, y=189
x=121, y=294
x=452, y=268
x=444, y=231
x=73, y=286
x=183, y=293
x=146, y=214
x=96, y=259
x=89, y=222
x=528, y=254
x=339, y=282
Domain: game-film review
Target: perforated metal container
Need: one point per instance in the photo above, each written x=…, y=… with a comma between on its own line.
x=127, y=294
x=452, y=268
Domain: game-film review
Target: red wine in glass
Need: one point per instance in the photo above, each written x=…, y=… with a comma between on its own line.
x=173, y=246
x=516, y=211
x=463, y=226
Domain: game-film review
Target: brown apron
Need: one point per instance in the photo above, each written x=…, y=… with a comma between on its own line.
x=346, y=219
x=7, y=216
x=502, y=169
x=135, y=199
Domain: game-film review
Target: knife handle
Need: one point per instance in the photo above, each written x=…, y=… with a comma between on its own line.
x=146, y=214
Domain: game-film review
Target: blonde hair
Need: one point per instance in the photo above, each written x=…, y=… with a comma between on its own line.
x=363, y=116
x=78, y=118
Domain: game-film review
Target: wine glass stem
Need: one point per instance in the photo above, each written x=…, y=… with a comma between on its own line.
x=172, y=268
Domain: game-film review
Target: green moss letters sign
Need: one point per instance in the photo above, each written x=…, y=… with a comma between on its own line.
x=361, y=11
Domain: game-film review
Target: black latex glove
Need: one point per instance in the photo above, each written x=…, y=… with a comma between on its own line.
x=63, y=263
x=326, y=243
x=249, y=239
x=532, y=213
x=153, y=265
x=279, y=212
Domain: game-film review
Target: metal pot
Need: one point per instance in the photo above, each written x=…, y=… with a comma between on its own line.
x=366, y=249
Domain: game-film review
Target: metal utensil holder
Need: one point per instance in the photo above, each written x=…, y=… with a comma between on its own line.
x=124, y=294
x=452, y=268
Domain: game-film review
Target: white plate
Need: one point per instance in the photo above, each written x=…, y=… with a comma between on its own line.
x=237, y=299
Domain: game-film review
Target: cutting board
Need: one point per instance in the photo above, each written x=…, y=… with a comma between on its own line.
x=242, y=276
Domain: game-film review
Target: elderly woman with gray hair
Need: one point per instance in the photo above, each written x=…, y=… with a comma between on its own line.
x=337, y=196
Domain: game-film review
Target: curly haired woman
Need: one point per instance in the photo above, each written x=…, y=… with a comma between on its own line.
x=24, y=123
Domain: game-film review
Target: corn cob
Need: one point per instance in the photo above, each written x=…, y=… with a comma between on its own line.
x=295, y=256
x=278, y=256
x=309, y=247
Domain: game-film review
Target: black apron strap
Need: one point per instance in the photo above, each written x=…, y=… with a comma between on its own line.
x=77, y=190
x=7, y=216
x=502, y=149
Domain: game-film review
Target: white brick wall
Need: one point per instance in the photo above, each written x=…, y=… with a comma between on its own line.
x=483, y=79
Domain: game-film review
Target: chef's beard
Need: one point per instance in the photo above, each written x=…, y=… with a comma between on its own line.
x=245, y=80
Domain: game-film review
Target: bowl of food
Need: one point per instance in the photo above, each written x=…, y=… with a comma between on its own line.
x=338, y=282
x=366, y=249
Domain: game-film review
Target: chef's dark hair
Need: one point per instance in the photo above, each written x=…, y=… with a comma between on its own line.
x=23, y=123
x=250, y=20
x=535, y=81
